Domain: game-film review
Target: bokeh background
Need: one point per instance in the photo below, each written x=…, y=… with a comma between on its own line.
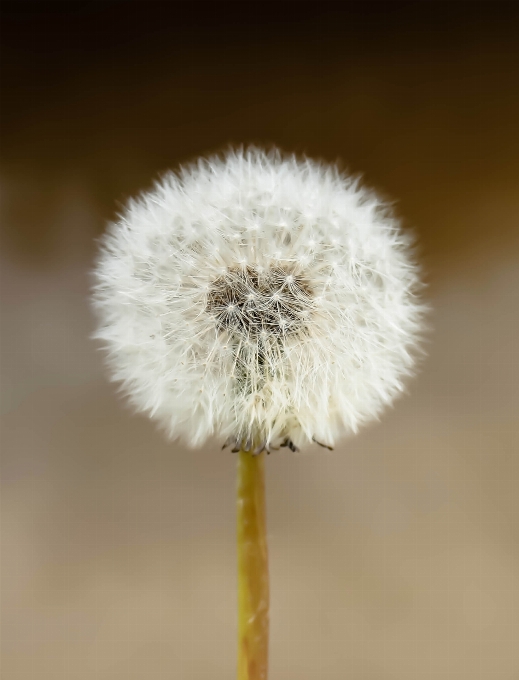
x=396, y=557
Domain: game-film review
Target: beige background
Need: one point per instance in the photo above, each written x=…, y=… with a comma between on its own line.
x=396, y=557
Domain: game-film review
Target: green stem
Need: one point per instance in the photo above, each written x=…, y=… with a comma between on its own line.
x=253, y=576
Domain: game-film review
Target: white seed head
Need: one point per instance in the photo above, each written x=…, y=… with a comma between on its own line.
x=258, y=297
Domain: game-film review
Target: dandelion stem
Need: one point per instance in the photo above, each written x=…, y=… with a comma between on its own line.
x=253, y=576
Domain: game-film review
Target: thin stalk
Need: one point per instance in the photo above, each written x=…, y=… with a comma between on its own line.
x=253, y=575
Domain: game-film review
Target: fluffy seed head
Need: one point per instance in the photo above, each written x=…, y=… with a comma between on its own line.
x=260, y=298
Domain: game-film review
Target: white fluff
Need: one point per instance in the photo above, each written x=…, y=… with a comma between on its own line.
x=260, y=298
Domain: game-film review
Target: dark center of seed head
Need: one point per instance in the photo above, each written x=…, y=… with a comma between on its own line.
x=260, y=303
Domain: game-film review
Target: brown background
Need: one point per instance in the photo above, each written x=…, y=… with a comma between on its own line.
x=397, y=556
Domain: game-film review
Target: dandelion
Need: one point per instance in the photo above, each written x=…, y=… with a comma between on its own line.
x=265, y=300
x=258, y=299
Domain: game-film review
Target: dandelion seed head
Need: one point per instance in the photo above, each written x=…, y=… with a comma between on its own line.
x=259, y=297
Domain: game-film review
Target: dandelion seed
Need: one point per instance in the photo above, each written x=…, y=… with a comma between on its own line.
x=284, y=286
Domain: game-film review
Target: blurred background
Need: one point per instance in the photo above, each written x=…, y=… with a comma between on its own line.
x=396, y=557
